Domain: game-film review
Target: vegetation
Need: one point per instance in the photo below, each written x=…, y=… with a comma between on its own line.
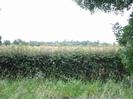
x=105, y=5
x=56, y=43
x=125, y=38
x=6, y=42
x=70, y=72
x=19, y=42
x=124, y=34
x=63, y=72
x=38, y=88
x=61, y=62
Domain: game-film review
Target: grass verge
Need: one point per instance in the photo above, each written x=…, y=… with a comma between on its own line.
x=38, y=88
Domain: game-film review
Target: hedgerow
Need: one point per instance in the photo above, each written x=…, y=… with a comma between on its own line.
x=61, y=62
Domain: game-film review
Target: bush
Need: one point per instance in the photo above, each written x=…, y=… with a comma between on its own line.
x=61, y=62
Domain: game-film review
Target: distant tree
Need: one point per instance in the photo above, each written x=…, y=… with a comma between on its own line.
x=19, y=42
x=34, y=43
x=6, y=42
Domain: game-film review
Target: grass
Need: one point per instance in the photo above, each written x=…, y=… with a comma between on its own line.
x=40, y=88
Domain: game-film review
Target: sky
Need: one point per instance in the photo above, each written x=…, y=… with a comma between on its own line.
x=55, y=20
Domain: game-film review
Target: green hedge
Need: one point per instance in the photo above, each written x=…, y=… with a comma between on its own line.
x=77, y=63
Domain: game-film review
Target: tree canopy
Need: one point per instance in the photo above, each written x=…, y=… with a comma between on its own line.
x=105, y=5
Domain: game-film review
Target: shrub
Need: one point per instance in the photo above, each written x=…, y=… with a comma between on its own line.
x=61, y=62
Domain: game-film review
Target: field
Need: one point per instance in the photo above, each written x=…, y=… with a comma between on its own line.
x=63, y=72
x=35, y=50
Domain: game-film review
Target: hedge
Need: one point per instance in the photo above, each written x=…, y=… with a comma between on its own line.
x=76, y=63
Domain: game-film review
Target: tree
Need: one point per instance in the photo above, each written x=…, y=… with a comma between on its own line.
x=124, y=34
x=117, y=29
x=105, y=5
x=19, y=42
x=6, y=42
x=125, y=38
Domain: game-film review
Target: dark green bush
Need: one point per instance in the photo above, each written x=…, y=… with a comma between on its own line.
x=78, y=64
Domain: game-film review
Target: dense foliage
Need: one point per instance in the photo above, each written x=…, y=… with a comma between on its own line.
x=105, y=5
x=125, y=38
x=61, y=62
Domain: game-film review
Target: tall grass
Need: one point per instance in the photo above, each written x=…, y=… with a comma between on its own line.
x=74, y=89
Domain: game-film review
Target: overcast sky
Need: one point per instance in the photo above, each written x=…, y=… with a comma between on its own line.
x=55, y=20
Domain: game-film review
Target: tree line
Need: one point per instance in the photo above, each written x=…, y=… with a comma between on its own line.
x=56, y=43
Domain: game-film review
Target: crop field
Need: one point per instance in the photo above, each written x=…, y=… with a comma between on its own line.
x=63, y=72
x=50, y=49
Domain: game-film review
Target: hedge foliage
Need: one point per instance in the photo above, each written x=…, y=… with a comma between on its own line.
x=61, y=62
